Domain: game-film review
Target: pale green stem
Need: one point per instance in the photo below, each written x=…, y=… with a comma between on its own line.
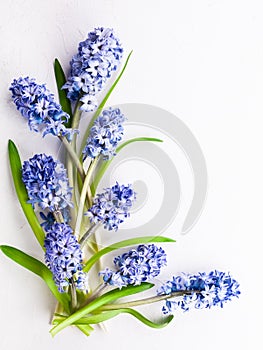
x=73, y=210
x=83, y=197
x=87, y=234
x=58, y=216
x=145, y=301
x=73, y=156
x=73, y=294
x=96, y=293
x=75, y=123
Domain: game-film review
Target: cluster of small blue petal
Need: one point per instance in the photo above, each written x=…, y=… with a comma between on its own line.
x=98, y=56
x=37, y=105
x=105, y=134
x=112, y=206
x=64, y=257
x=137, y=266
x=46, y=183
x=202, y=291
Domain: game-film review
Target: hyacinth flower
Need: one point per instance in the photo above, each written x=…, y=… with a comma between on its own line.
x=203, y=290
x=97, y=58
x=46, y=183
x=64, y=258
x=136, y=266
x=37, y=104
x=105, y=134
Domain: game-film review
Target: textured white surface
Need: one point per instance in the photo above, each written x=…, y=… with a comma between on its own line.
x=202, y=61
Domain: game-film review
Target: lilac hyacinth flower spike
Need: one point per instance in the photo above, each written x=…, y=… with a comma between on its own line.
x=105, y=134
x=37, y=104
x=112, y=206
x=97, y=58
x=137, y=266
x=46, y=183
x=64, y=257
x=203, y=290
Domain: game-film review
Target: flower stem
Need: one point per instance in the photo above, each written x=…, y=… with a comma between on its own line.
x=75, y=123
x=73, y=156
x=100, y=288
x=83, y=195
x=58, y=216
x=145, y=301
x=73, y=294
x=71, y=148
x=87, y=234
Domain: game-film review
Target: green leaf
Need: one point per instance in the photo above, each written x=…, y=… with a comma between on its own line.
x=62, y=94
x=105, y=164
x=38, y=268
x=123, y=244
x=106, y=315
x=100, y=301
x=16, y=166
x=103, y=102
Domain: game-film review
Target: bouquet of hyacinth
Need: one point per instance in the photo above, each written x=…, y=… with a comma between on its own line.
x=64, y=210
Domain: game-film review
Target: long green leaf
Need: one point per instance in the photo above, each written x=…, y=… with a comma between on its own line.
x=62, y=94
x=102, y=300
x=105, y=164
x=106, y=315
x=16, y=166
x=39, y=269
x=123, y=244
x=103, y=102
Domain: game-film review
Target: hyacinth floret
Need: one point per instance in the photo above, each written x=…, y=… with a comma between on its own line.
x=46, y=183
x=112, y=206
x=37, y=104
x=64, y=257
x=105, y=134
x=136, y=266
x=97, y=57
x=203, y=290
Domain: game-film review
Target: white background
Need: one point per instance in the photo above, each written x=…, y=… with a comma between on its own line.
x=201, y=60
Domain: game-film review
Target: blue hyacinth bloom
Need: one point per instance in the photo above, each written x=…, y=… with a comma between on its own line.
x=137, y=266
x=36, y=103
x=112, y=206
x=201, y=291
x=97, y=57
x=64, y=257
x=46, y=183
x=105, y=134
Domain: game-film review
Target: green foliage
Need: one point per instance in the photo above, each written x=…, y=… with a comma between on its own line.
x=100, y=301
x=16, y=166
x=106, y=315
